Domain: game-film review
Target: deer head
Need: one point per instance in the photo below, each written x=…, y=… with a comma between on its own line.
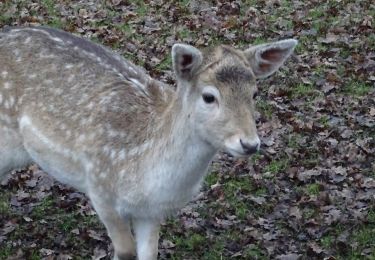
x=218, y=88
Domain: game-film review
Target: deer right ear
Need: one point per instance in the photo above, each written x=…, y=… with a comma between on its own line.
x=265, y=59
x=186, y=60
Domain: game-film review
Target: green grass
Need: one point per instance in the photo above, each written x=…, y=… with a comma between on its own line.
x=277, y=166
x=305, y=91
x=313, y=189
x=323, y=120
x=327, y=241
x=165, y=64
x=358, y=89
x=40, y=210
x=126, y=28
x=261, y=191
x=56, y=23
x=308, y=213
x=4, y=204
x=360, y=239
x=293, y=141
x=185, y=33
x=371, y=41
x=265, y=108
x=254, y=252
x=317, y=12
x=259, y=40
x=212, y=178
x=50, y=6
x=35, y=255
x=5, y=251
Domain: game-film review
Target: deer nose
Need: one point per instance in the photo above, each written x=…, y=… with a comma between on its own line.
x=249, y=148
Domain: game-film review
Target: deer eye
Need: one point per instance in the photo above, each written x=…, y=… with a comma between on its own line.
x=208, y=98
x=255, y=95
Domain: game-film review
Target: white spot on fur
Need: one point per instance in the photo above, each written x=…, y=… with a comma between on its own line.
x=69, y=66
x=11, y=101
x=48, y=81
x=90, y=105
x=48, y=34
x=5, y=118
x=7, y=85
x=4, y=74
x=16, y=52
x=133, y=70
x=27, y=40
x=122, y=154
x=71, y=78
x=137, y=83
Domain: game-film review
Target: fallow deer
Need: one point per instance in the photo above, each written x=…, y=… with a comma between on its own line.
x=137, y=147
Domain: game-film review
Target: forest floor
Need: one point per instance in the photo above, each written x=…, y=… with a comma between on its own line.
x=310, y=193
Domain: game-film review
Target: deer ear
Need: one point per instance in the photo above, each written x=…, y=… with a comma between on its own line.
x=267, y=58
x=186, y=60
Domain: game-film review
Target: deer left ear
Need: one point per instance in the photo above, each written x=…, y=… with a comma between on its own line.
x=186, y=60
x=267, y=58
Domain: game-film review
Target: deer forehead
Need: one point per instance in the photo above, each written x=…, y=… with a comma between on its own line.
x=227, y=69
x=235, y=82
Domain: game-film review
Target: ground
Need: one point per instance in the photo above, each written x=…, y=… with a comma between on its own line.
x=308, y=194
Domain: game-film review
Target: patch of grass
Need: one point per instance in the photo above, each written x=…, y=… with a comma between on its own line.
x=241, y=209
x=265, y=108
x=363, y=238
x=256, y=157
x=184, y=33
x=195, y=241
x=5, y=251
x=233, y=186
x=304, y=91
x=313, y=189
x=261, y=191
x=304, y=43
x=356, y=88
x=197, y=246
x=215, y=252
x=293, y=141
x=50, y=6
x=324, y=121
x=40, y=210
x=5, y=19
x=238, y=204
x=4, y=204
x=165, y=64
x=35, y=255
x=316, y=13
x=141, y=9
x=259, y=40
x=67, y=222
x=126, y=28
x=55, y=23
x=371, y=216
x=371, y=41
x=277, y=166
x=254, y=252
x=327, y=241
x=212, y=178
x=309, y=213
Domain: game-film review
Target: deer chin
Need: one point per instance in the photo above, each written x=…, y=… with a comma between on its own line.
x=236, y=153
